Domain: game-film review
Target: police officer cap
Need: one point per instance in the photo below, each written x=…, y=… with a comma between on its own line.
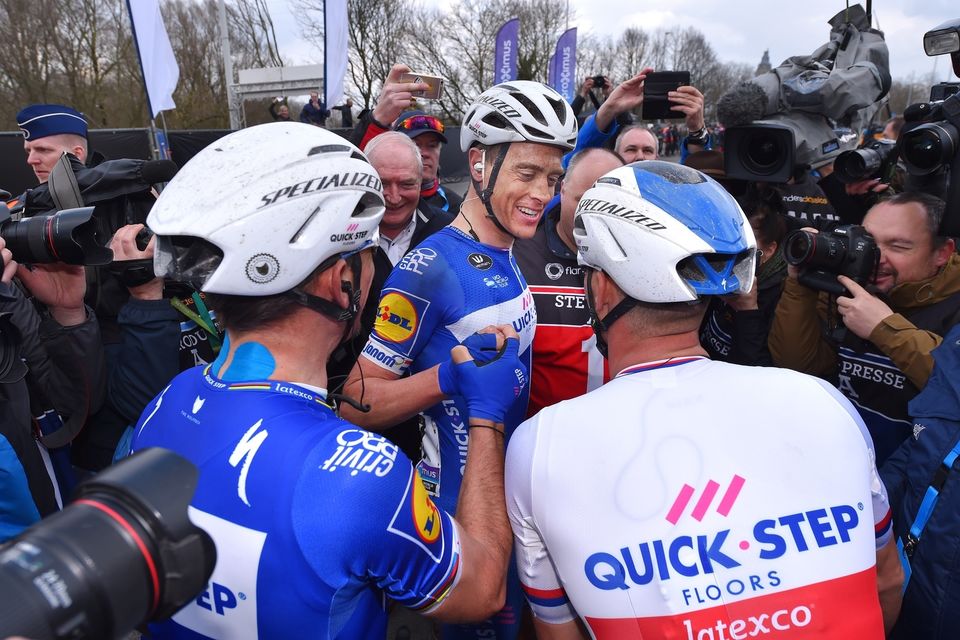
x=42, y=120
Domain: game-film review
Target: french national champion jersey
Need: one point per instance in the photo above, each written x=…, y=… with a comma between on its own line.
x=440, y=293
x=315, y=520
x=690, y=499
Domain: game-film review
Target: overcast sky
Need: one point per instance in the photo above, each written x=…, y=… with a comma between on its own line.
x=739, y=30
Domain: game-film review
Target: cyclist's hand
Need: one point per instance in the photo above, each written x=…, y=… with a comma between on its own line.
x=484, y=346
x=491, y=388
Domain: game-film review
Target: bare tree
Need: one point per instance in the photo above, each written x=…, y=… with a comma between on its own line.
x=252, y=25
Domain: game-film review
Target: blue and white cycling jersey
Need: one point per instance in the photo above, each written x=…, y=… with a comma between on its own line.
x=443, y=291
x=316, y=521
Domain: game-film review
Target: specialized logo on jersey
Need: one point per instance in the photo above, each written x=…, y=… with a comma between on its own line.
x=396, y=318
x=426, y=516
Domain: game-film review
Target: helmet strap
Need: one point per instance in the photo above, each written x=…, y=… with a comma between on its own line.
x=601, y=325
x=486, y=194
x=333, y=311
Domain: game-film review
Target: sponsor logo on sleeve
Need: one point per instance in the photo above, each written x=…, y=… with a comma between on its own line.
x=396, y=318
x=426, y=516
x=417, y=260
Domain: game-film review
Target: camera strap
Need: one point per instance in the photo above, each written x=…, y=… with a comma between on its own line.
x=907, y=547
x=63, y=186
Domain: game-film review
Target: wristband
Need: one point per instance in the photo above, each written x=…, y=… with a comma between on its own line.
x=698, y=138
x=486, y=426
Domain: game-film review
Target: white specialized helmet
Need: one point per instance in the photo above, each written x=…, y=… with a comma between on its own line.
x=256, y=212
x=519, y=111
x=665, y=233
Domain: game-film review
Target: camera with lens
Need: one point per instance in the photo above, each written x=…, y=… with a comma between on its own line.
x=930, y=139
x=123, y=553
x=73, y=216
x=848, y=250
x=599, y=81
x=874, y=159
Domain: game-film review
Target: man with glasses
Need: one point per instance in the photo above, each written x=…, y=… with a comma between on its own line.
x=425, y=130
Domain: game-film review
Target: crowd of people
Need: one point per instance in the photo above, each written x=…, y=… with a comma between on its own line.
x=587, y=398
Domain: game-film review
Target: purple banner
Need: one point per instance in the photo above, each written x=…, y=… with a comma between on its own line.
x=552, y=72
x=565, y=74
x=505, y=58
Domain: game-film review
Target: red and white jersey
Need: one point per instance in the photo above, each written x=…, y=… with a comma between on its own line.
x=697, y=500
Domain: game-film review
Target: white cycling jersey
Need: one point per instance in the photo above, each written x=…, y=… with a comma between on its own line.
x=700, y=500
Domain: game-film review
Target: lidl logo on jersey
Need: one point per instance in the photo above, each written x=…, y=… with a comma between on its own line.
x=637, y=563
x=397, y=318
x=425, y=513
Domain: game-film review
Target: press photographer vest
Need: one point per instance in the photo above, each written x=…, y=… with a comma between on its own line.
x=871, y=380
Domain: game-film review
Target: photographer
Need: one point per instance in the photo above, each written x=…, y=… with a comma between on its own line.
x=884, y=358
x=64, y=370
x=586, y=90
x=614, y=114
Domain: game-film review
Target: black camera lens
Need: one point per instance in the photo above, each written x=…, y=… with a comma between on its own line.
x=71, y=236
x=762, y=153
x=860, y=164
x=806, y=249
x=123, y=553
x=927, y=147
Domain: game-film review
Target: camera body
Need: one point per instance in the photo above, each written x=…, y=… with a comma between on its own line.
x=874, y=159
x=848, y=250
x=599, y=81
x=124, y=552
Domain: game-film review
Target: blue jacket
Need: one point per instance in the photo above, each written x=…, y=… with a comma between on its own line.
x=931, y=604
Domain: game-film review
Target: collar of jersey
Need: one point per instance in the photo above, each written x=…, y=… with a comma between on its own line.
x=659, y=364
x=276, y=386
x=466, y=236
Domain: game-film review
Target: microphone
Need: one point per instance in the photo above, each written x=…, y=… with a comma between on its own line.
x=154, y=171
x=742, y=104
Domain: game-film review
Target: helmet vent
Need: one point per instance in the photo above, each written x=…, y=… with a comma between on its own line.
x=537, y=133
x=495, y=120
x=529, y=106
x=331, y=148
x=690, y=270
x=559, y=107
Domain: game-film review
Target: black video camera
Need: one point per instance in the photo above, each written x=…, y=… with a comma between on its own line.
x=930, y=140
x=874, y=159
x=848, y=250
x=99, y=201
x=123, y=553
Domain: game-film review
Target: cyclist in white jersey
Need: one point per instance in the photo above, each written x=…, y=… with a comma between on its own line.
x=687, y=498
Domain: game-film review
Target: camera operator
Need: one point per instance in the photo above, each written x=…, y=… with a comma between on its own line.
x=48, y=131
x=914, y=298
x=602, y=127
x=599, y=82
x=64, y=370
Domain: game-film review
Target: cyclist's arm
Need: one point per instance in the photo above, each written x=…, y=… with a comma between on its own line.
x=889, y=583
x=484, y=532
x=392, y=399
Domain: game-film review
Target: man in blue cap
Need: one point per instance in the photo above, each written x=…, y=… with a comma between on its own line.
x=48, y=131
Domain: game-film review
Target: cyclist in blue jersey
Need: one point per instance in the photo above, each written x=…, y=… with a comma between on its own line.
x=460, y=279
x=317, y=522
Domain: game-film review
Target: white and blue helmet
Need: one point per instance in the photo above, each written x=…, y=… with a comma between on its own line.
x=665, y=233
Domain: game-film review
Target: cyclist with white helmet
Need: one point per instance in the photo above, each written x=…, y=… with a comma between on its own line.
x=464, y=278
x=688, y=498
x=316, y=521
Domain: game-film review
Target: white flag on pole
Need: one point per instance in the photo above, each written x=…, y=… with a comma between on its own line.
x=335, y=50
x=160, y=70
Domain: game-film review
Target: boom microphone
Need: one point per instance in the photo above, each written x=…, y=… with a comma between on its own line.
x=742, y=104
